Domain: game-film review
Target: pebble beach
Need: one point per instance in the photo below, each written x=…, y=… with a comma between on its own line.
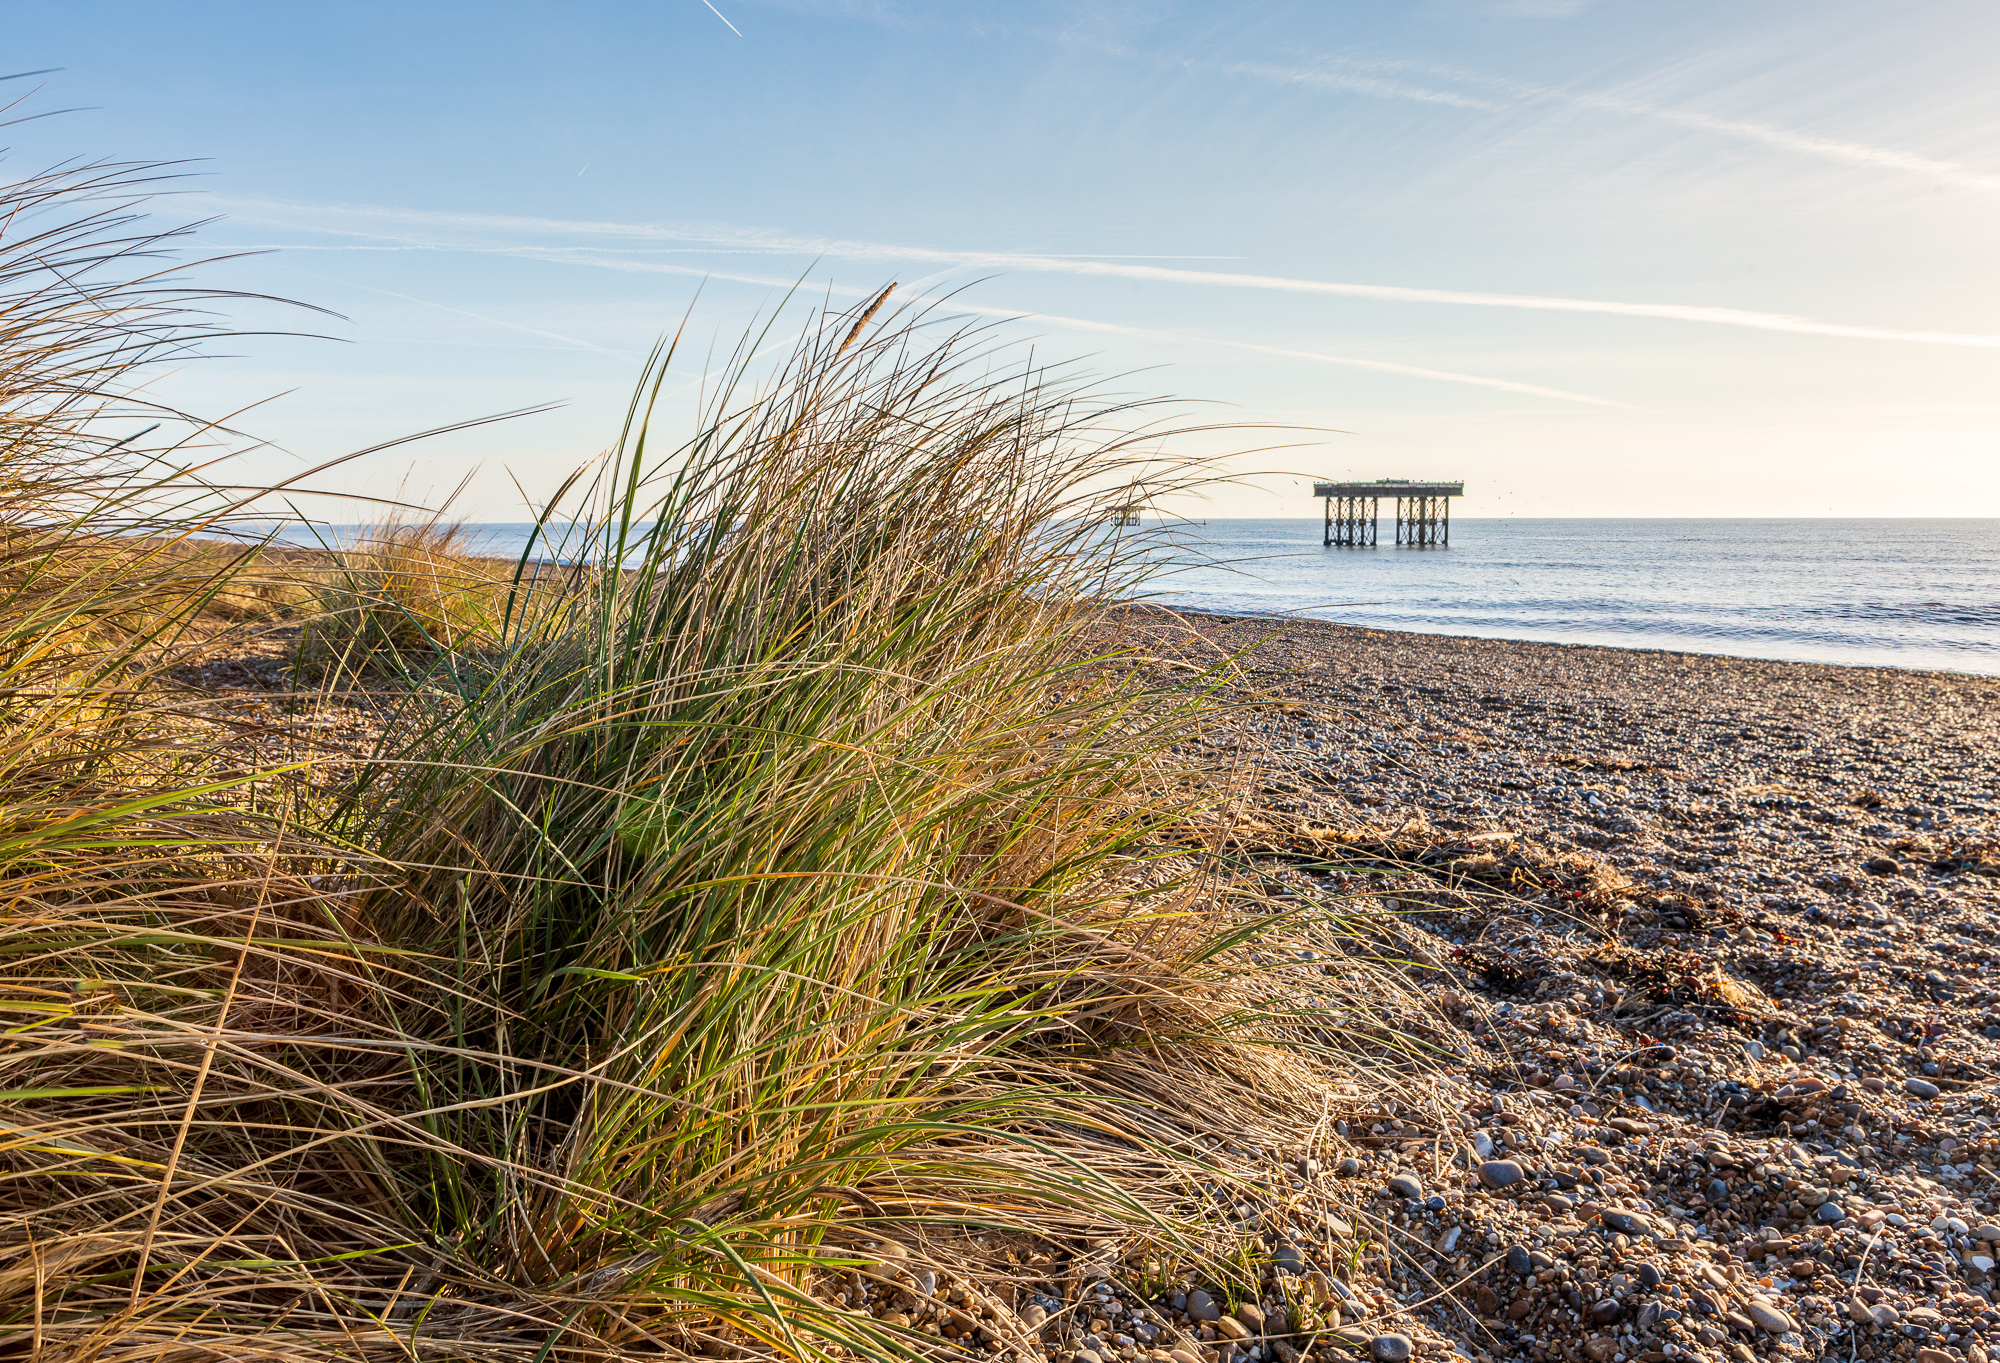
x=1709, y=943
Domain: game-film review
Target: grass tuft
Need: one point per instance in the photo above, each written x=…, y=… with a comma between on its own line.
x=400, y=597
x=772, y=883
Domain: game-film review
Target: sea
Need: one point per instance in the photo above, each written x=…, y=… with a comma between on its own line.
x=1920, y=593
x=1875, y=593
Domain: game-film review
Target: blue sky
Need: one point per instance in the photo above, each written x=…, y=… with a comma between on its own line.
x=1594, y=258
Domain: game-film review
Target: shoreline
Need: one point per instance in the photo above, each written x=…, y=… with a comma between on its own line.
x=1290, y=619
x=1439, y=704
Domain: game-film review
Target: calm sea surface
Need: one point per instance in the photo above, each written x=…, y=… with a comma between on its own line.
x=1900, y=593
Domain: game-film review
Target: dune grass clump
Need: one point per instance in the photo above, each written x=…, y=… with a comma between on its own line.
x=802, y=854
x=768, y=879
x=403, y=595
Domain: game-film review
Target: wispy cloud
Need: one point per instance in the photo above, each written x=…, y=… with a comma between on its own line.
x=1367, y=78
x=1542, y=9
x=1313, y=356
x=599, y=260
x=1825, y=148
x=567, y=342
x=380, y=222
x=1324, y=78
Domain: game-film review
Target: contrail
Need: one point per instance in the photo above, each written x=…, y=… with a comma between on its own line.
x=1086, y=324
x=776, y=243
x=1678, y=312
x=719, y=14
x=555, y=255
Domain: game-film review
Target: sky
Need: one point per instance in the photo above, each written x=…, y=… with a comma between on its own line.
x=1593, y=257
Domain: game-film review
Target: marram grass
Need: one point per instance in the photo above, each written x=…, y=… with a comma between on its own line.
x=782, y=878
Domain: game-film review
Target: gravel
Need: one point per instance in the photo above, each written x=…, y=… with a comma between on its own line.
x=1712, y=942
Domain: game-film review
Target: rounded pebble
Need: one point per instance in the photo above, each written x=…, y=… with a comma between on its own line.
x=1624, y=1222
x=1517, y=1259
x=1920, y=1088
x=1389, y=1348
x=1831, y=1213
x=1500, y=1173
x=1406, y=1187
x=1768, y=1318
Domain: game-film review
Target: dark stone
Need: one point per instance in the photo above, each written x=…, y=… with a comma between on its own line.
x=1406, y=1187
x=1606, y=1311
x=1517, y=1259
x=1389, y=1348
x=1624, y=1222
x=1650, y=1275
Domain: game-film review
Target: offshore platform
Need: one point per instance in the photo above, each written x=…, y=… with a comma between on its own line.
x=1354, y=511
